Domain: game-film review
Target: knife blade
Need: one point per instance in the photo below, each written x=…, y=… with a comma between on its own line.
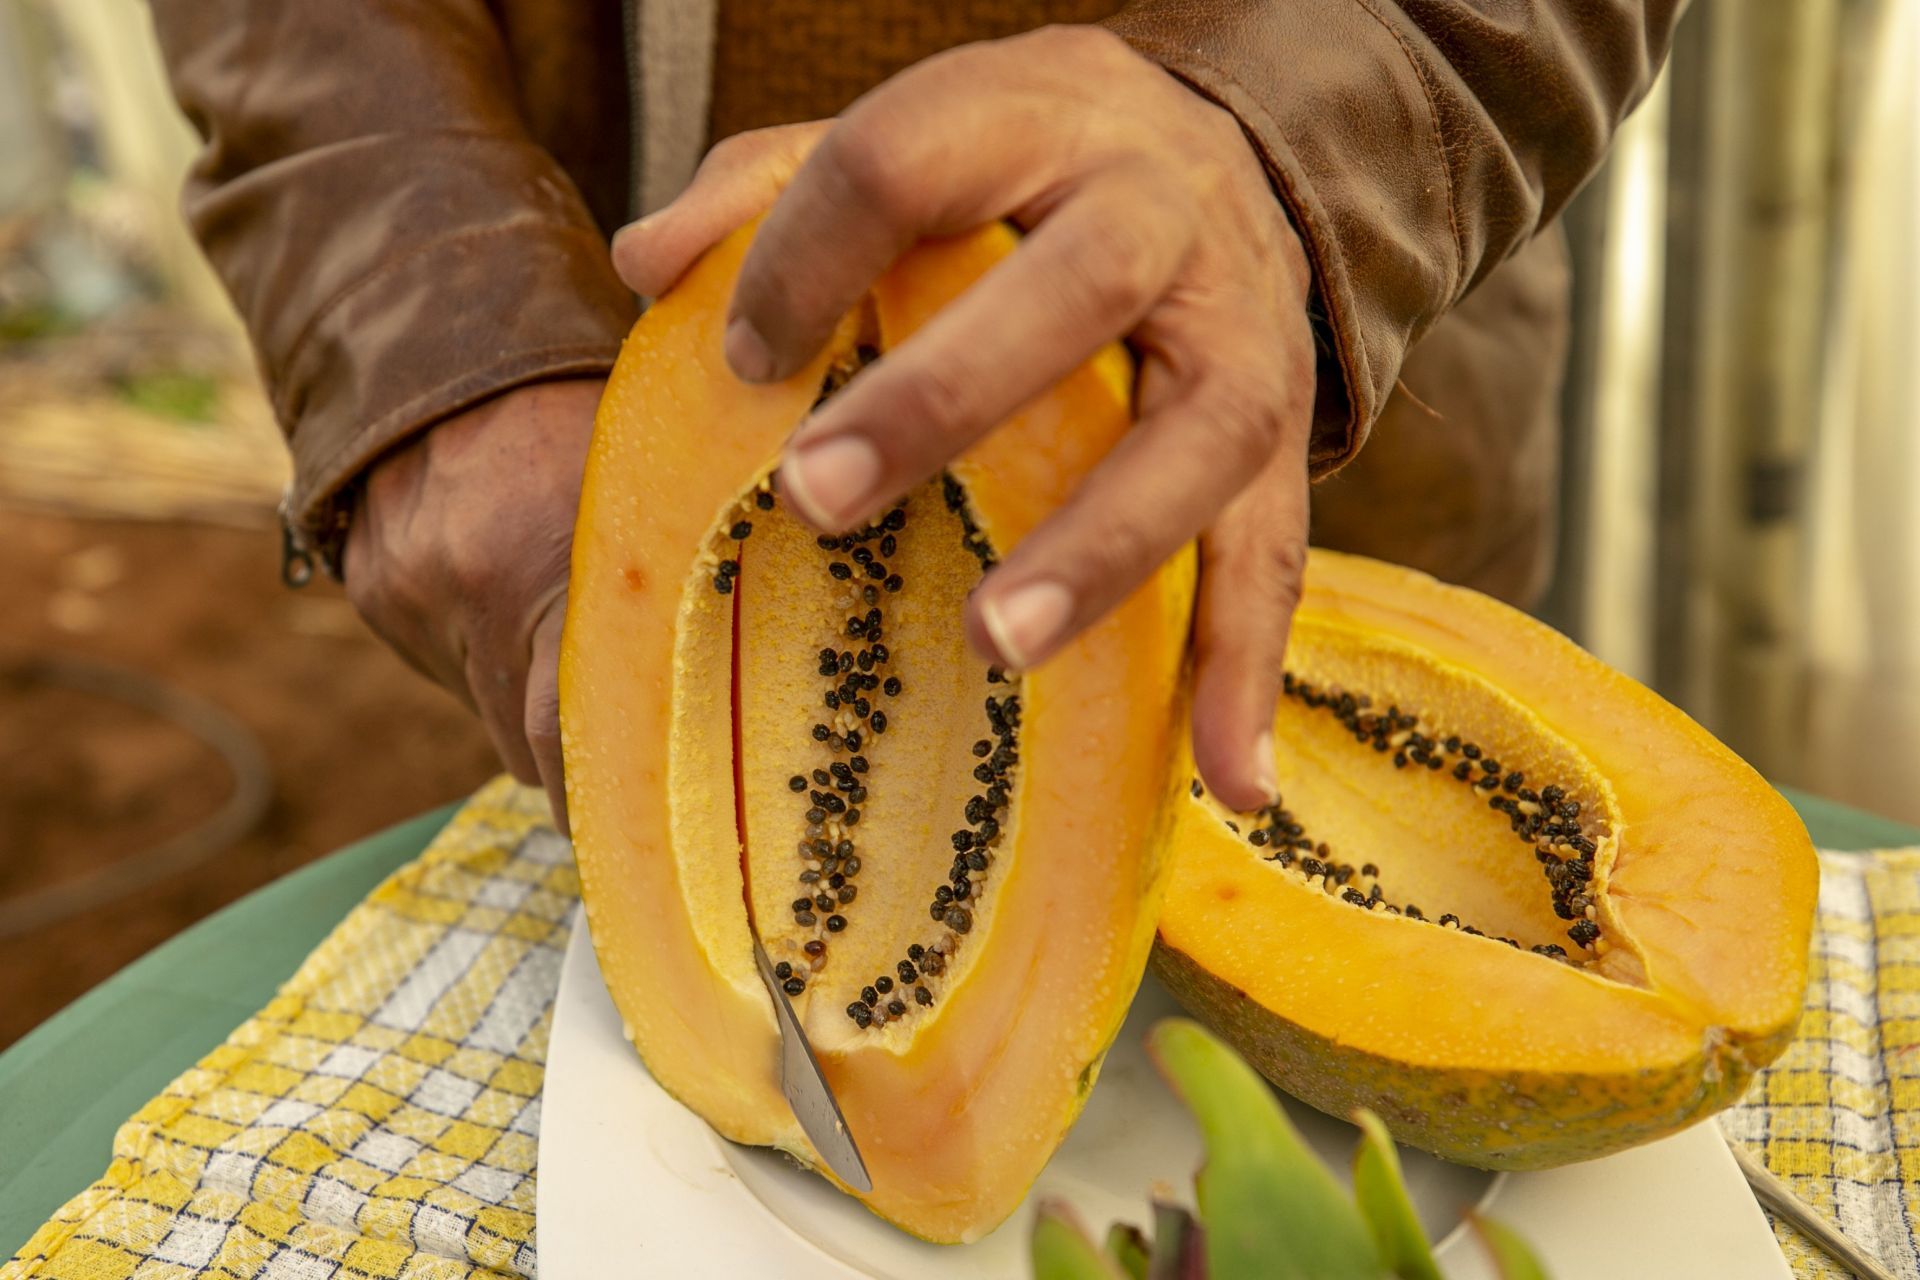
x=807, y=1090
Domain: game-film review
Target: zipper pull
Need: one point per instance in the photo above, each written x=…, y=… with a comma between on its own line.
x=296, y=557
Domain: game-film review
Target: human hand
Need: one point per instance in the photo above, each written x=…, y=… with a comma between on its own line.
x=458, y=558
x=1150, y=218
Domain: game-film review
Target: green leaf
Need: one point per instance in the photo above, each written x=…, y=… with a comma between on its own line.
x=1381, y=1193
x=1510, y=1253
x=1061, y=1250
x=1127, y=1245
x=1270, y=1209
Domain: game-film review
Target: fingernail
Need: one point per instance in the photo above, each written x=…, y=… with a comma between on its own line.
x=625, y=236
x=638, y=227
x=833, y=481
x=747, y=351
x=1027, y=620
x=1264, y=774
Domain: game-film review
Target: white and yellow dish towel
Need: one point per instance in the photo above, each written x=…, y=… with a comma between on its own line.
x=380, y=1118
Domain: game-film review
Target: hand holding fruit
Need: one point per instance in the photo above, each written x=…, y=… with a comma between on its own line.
x=1149, y=218
x=458, y=558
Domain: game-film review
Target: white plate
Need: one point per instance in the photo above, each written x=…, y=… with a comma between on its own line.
x=631, y=1181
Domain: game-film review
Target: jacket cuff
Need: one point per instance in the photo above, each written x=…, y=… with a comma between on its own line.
x=1344, y=180
x=407, y=345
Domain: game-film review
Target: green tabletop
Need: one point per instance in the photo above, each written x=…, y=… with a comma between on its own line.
x=66, y=1087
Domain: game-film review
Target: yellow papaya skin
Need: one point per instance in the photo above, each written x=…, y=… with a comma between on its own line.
x=1543, y=1120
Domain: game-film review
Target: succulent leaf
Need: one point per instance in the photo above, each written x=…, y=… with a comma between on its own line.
x=1179, y=1247
x=1127, y=1245
x=1061, y=1250
x=1380, y=1190
x=1270, y=1209
x=1510, y=1253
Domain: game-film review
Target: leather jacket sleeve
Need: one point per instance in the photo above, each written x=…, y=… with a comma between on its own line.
x=1416, y=145
x=398, y=246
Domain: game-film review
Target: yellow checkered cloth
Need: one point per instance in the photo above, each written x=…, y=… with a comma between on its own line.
x=1838, y=1116
x=380, y=1118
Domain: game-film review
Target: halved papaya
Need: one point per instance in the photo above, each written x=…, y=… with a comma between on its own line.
x=957, y=870
x=1511, y=900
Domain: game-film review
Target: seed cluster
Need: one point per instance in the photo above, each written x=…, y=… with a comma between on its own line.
x=971, y=535
x=879, y=1003
x=830, y=858
x=856, y=565
x=726, y=569
x=974, y=845
x=1276, y=830
x=833, y=795
x=1547, y=819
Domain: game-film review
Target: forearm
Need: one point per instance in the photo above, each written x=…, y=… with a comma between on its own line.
x=398, y=246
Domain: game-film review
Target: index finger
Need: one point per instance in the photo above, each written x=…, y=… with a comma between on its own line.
x=905, y=162
x=739, y=180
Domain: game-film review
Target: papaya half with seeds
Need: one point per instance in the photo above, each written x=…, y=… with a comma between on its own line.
x=956, y=871
x=1510, y=899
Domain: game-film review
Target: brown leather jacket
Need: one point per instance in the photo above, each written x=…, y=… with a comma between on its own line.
x=410, y=205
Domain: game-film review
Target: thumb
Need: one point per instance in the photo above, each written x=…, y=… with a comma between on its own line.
x=737, y=182
x=543, y=709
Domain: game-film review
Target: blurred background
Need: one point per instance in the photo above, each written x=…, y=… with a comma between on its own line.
x=1742, y=410
x=176, y=728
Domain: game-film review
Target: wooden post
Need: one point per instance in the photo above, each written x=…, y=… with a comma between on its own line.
x=1764, y=197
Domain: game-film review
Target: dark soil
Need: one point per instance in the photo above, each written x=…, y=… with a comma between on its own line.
x=355, y=740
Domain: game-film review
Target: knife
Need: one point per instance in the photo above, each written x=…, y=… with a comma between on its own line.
x=1779, y=1197
x=806, y=1088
